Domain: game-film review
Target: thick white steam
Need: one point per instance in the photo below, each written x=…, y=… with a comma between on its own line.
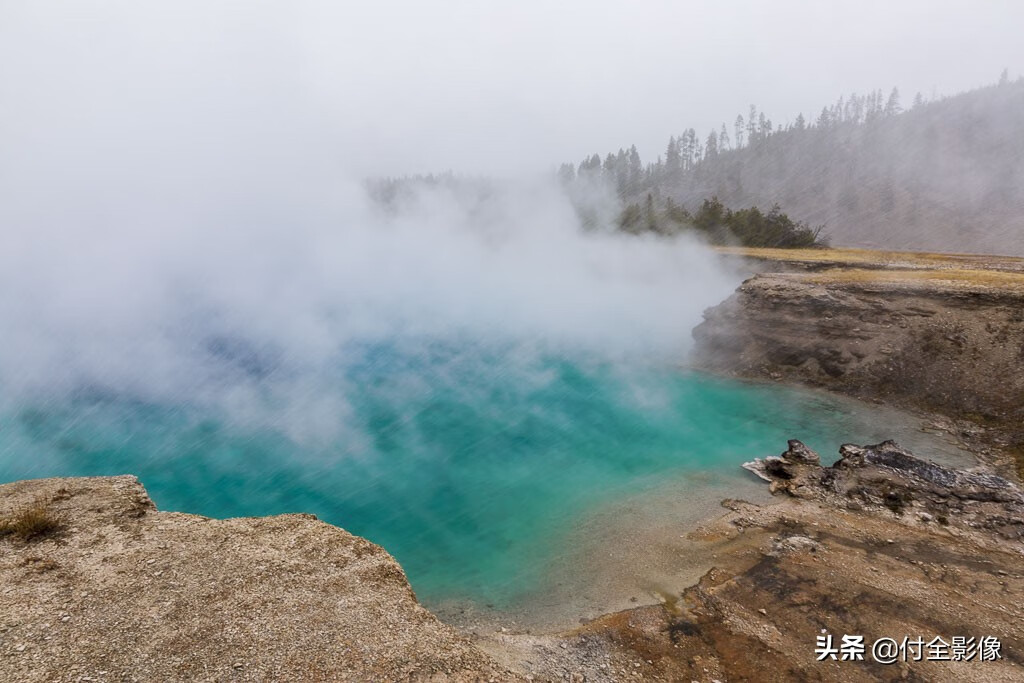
x=177, y=222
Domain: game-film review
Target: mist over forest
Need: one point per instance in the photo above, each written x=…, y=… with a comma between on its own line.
x=941, y=174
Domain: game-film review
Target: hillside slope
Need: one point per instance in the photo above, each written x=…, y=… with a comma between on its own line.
x=945, y=176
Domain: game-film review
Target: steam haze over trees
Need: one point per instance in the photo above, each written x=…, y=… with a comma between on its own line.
x=941, y=175
x=108, y=107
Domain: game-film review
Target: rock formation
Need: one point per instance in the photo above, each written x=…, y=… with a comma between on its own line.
x=881, y=544
x=886, y=476
x=115, y=590
x=947, y=341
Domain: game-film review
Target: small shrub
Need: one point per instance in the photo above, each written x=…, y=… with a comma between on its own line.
x=750, y=227
x=31, y=523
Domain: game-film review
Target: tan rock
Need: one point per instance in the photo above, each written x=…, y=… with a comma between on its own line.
x=132, y=593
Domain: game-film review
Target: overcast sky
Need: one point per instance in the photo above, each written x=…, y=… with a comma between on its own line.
x=473, y=86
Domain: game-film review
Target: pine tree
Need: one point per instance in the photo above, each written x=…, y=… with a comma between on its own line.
x=635, y=172
x=738, y=128
x=711, y=145
x=892, y=106
x=630, y=218
x=675, y=215
x=686, y=148
x=723, y=139
x=824, y=118
x=673, y=159
x=650, y=214
x=695, y=146
x=621, y=172
x=590, y=167
x=856, y=108
x=875, y=107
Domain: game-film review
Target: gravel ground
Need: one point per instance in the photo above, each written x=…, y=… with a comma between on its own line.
x=122, y=592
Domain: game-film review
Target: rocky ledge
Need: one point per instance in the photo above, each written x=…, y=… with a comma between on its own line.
x=97, y=585
x=881, y=544
x=941, y=335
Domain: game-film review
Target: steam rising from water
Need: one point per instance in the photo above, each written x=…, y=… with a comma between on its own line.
x=248, y=299
x=181, y=223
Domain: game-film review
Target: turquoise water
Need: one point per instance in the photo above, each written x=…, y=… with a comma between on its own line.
x=468, y=463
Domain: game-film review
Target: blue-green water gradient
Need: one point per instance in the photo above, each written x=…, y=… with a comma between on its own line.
x=467, y=463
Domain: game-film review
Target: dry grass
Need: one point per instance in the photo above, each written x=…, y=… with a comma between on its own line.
x=31, y=523
x=881, y=259
x=900, y=268
x=997, y=279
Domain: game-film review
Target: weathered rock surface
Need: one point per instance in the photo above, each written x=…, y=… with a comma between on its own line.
x=886, y=476
x=953, y=347
x=858, y=548
x=122, y=592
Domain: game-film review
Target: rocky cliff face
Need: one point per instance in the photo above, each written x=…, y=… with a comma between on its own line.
x=946, y=342
x=97, y=585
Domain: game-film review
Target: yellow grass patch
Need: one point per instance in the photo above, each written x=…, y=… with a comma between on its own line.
x=901, y=260
x=1013, y=281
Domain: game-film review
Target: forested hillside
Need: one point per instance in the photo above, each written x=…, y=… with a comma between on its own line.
x=942, y=175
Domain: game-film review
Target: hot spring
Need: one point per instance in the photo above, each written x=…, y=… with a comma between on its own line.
x=468, y=378
x=469, y=463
